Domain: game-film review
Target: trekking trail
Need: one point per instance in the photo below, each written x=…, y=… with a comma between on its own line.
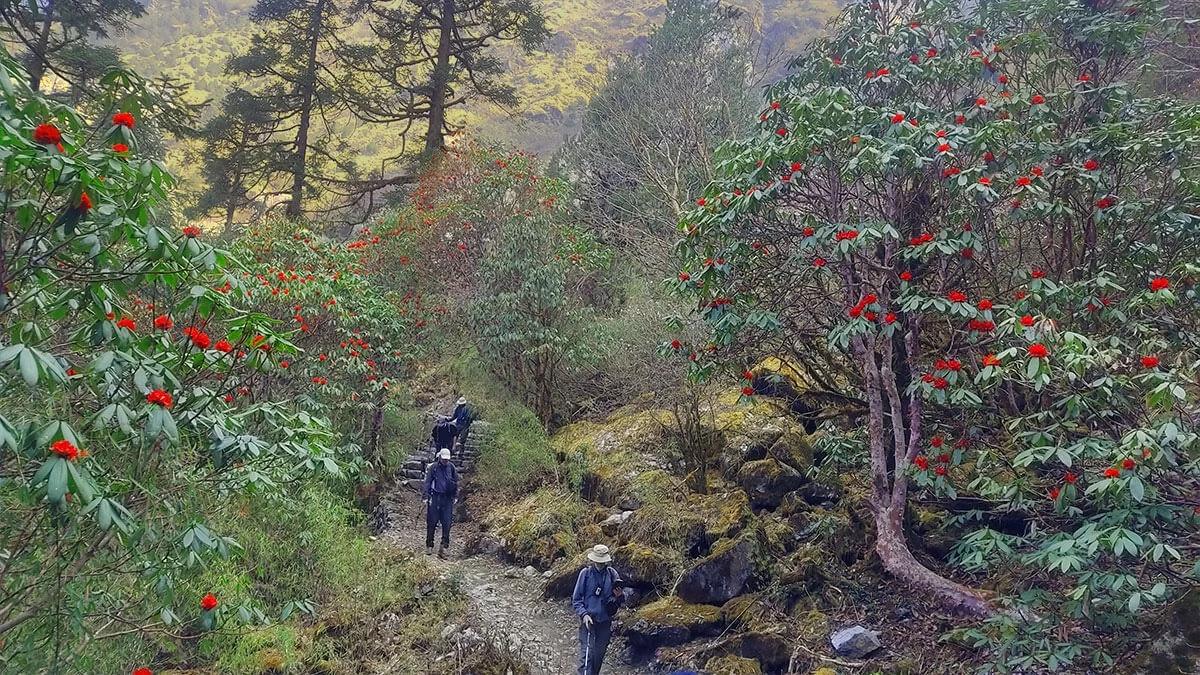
x=506, y=601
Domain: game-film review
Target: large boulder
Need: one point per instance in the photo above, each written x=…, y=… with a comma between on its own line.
x=793, y=448
x=721, y=575
x=642, y=567
x=670, y=621
x=561, y=582
x=725, y=514
x=542, y=528
x=770, y=649
x=667, y=526
x=767, y=481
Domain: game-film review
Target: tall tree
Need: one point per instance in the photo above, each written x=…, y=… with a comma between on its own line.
x=434, y=55
x=49, y=29
x=296, y=72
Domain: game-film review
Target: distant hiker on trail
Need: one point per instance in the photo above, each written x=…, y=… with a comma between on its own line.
x=463, y=416
x=441, y=490
x=596, y=599
x=445, y=430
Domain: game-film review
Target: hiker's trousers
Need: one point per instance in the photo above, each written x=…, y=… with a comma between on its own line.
x=440, y=510
x=593, y=643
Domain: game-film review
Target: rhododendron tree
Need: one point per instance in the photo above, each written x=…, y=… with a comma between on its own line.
x=122, y=341
x=1004, y=229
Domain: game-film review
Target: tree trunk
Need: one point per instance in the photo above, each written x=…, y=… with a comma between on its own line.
x=434, y=140
x=306, y=92
x=37, y=69
x=898, y=560
x=376, y=428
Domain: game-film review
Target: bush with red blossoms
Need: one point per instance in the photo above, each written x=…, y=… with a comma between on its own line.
x=1093, y=402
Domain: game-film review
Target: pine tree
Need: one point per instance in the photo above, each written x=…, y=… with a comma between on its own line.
x=51, y=29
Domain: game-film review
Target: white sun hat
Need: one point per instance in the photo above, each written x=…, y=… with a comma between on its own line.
x=599, y=553
x=462, y=400
x=444, y=453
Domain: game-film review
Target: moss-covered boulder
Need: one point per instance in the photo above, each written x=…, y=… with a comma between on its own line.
x=771, y=650
x=541, y=528
x=561, y=581
x=642, y=567
x=793, y=448
x=749, y=612
x=670, y=621
x=667, y=527
x=768, y=481
x=720, y=575
x=725, y=513
x=731, y=664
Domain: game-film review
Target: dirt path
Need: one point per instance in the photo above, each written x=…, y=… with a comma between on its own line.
x=506, y=601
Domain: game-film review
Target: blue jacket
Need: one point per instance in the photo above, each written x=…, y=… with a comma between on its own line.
x=463, y=416
x=602, y=605
x=440, y=479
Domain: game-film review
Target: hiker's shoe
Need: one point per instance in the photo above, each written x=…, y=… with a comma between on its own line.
x=442, y=552
x=428, y=550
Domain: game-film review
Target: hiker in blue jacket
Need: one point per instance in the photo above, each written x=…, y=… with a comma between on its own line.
x=596, y=599
x=462, y=416
x=441, y=490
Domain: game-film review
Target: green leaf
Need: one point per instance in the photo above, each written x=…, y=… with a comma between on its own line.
x=56, y=484
x=1136, y=489
x=29, y=369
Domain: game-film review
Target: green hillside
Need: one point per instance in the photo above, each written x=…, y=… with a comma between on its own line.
x=191, y=40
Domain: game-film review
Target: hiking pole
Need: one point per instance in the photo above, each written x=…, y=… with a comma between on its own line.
x=587, y=652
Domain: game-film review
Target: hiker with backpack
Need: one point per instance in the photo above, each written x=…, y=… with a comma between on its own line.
x=440, y=493
x=463, y=415
x=597, y=597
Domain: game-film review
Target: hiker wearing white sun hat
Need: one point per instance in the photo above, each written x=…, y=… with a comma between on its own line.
x=597, y=597
x=463, y=415
x=441, y=491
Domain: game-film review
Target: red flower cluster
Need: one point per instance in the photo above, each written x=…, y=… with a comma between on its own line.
x=191, y=232
x=684, y=276
x=160, y=398
x=946, y=364
x=123, y=119
x=320, y=380
x=981, y=325
x=47, y=134
x=846, y=235
x=956, y=296
x=922, y=462
x=163, y=322
x=906, y=276
x=85, y=202
x=937, y=382
x=198, y=337
x=984, y=305
x=1090, y=165
x=127, y=323
x=923, y=238
x=208, y=602
x=1160, y=284
x=1027, y=320
x=67, y=450
x=1149, y=361
x=223, y=346
x=120, y=148
x=142, y=671
x=1106, y=202
x=991, y=360
x=1038, y=350
x=1112, y=472
x=1038, y=99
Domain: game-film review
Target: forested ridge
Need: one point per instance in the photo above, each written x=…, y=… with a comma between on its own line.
x=860, y=340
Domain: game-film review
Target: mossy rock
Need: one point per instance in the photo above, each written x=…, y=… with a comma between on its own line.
x=749, y=612
x=561, y=582
x=770, y=649
x=725, y=514
x=768, y=481
x=722, y=574
x=774, y=367
x=643, y=567
x=668, y=527
x=811, y=627
x=730, y=664
x=671, y=621
x=1174, y=650
x=793, y=448
x=541, y=528
x=803, y=571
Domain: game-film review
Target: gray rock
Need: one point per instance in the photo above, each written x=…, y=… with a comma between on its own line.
x=613, y=523
x=720, y=576
x=449, y=630
x=530, y=571
x=855, y=642
x=767, y=481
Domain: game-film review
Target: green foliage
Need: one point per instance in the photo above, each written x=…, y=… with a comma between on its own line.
x=998, y=238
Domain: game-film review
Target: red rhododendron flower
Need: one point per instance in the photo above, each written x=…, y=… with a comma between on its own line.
x=818, y=262
x=142, y=671
x=944, y=458
x=941, y=471
x=1112, y=472
x=889, y=318
x=684, y=276
x=937, y=442
x=163, y=322
x=85, y=202
x=960, y=118
x=781, y=131
x=1054, y=492
x=988, y=156
x=775, y=105
x=956, y=296
x=991, y=360
x=906, y=276
x=1038, y=99
x=984, y=305
x=1027, y=320
x=747, y=391
x=1091, y=165
x=120, y=148
x=897, y=118
x=981, y=101
x=1160, y=283
x=124, y=119
x=675, y=344
x=921, y=461
x=47, y=134
x=208, y=602
x=1149, y=361
x=1070, y=478
x=984, y=180
x=943, y=147
x=1037, y=273
x=65, y=449
x=846, y=235
x=127, y=323
x=1023, y=181
x=1038, y=350
x=1128, y=464
x=701, y=201
x=855, y=312
x=191, y=232
x=931, y=52
x=1105, y=202
x=1037, y=171
x=160, y=398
